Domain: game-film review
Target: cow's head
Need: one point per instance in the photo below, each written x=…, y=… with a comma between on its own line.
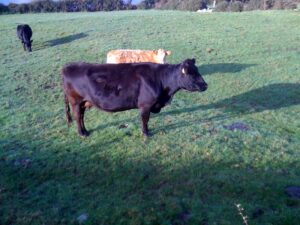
x=190, y=79
x=28, y=45
x=161, y=55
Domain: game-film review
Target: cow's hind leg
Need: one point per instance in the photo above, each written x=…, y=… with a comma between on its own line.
x=67, y=110
x=77, y=111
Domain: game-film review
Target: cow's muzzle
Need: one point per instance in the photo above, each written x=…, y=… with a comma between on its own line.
x=203, y=87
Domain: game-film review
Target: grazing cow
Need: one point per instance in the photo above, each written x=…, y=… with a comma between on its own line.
x=131, y=56
x=24, y=33
x=119, y=87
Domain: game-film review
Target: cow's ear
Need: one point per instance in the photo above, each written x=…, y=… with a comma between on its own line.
x=168, y=52
x=193, y=61
x=155, y=52
x=31, y=41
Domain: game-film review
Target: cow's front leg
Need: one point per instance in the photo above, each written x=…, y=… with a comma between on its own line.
x=82, y=110
x=79, y=117
x=145, y=115
x=24, y=46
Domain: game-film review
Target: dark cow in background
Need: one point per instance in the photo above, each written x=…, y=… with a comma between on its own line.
x=24, y=33
x=119, y=87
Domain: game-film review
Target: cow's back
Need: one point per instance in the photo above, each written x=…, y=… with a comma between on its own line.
x=24, y=31
x=131, y=56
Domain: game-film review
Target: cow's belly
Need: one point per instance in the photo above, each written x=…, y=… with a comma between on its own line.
x=115, y=103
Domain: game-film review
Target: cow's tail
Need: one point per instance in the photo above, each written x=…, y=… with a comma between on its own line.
x=67, y=109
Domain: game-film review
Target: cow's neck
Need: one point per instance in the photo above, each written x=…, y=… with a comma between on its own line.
x=170, y=81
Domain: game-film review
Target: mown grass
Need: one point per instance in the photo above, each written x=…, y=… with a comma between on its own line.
x=192, y=170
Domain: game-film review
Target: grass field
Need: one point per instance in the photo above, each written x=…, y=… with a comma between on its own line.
x=236, y=143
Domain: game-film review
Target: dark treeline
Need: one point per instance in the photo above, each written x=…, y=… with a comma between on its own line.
x=39, y=6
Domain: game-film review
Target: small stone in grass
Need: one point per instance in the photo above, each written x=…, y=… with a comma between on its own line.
x=209, y=50
x=82, y=218
x=237, y=126
x=293, y=192
x=22, y=162
x=124, y=125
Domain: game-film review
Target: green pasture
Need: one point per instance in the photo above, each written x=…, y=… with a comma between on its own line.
x=236, y=143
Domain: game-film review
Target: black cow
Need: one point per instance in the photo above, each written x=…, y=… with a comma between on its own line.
x=119, y=87
x=24, y=33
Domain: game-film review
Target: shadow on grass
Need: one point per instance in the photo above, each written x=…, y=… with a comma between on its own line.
x=66, y=39
x=105, y=183
x=223, y=68
x=272, y=97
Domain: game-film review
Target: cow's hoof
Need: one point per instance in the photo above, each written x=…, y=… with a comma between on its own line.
x=84, y=133
x=146, y=134
x=69, y=120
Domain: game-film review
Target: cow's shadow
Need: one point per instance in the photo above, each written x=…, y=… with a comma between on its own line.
x=223, y=68
x=271, y=97
x=66, y=39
